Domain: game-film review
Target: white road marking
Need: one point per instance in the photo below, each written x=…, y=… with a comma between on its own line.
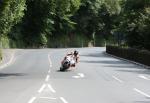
x=81, y=75
x=49, y=71
x=117, y=79
x=50, y=62
x=32, y=100
x=42, y=88
x=76, y=77
x=63, y=100
x=47, y=78
x=51, y=88
x=47, y=98
x=143, y=77
x=141, y=92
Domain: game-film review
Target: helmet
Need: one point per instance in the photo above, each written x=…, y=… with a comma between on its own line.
x=75, y=53
x=71, y=53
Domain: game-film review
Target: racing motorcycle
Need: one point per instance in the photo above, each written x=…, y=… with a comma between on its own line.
x=67, y=63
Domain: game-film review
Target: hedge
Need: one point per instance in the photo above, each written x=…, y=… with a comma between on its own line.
x=140, y=56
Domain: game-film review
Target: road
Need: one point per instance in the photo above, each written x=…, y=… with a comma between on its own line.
x=34, y=77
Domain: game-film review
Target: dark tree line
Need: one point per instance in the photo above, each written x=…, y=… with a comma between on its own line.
x=62, y=23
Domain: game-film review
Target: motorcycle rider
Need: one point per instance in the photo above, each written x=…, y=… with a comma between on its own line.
x=68, y=57
x=73, y=57
x=76, y=56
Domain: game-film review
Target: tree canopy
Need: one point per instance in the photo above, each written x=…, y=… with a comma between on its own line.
x=35, y=23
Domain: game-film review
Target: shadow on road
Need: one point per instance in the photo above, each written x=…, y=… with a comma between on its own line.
x=142, y=102
x=105, y=62
x=94, y=55
x=123, y=66
x=119, y=65
x=137, y=71
x=11, y=74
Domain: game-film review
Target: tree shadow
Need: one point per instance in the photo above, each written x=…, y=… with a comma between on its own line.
x=95, y=55
x=123, y=66
x=105, y=61
x=139, y=71
x=142, y=102
x=11, y=74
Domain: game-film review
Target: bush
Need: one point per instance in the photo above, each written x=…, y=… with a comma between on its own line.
x=141, y=56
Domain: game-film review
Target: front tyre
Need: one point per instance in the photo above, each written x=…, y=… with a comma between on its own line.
x=62, y=69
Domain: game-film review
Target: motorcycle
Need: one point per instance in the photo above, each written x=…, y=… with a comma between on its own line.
x=67, y=63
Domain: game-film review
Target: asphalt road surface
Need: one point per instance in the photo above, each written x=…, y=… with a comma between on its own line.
x=34, y=77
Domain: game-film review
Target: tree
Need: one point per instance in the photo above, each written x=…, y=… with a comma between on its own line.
x=11, y=12
x=46, y=17
x=135, y=23
x=65, y=9
x=37, y=22
x=97, y=16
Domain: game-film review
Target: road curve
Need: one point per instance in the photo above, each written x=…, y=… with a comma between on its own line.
x=34, y=77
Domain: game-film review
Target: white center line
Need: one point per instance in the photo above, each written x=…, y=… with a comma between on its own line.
x=63, y=100
x=47, y=98
x=50, y=62
x=51, y=88
x=47, y=78
x=32, y=100
x=117, y=79
x=42, y=88
x=141, y=92
x=143, y=77
x=49, y=71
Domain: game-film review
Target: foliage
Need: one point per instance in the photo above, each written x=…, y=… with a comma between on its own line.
x=36, y=23
x=65, y=9
x=44, y=18
x=96, y=16
x=11, y=12
x=135, y=23
x=125, y=22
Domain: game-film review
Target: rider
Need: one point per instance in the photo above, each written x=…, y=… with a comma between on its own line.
x=76, y=56
x=73, y=58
